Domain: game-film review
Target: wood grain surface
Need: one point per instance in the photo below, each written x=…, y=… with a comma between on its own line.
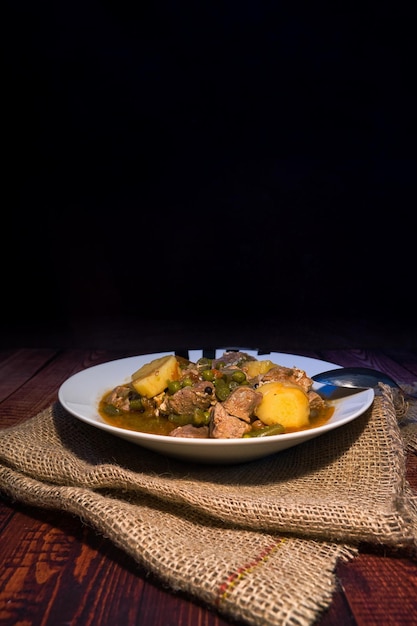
x=55, y=571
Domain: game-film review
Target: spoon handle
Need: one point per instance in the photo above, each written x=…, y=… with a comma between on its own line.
x=358, y=377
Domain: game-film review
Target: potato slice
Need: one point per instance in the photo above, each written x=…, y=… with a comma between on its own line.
x=283, y=403
x=255, y=368
x=152, y=378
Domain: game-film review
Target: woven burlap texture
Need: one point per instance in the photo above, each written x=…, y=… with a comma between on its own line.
x=257, y=541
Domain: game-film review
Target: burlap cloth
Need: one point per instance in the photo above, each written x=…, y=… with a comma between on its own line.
x=257, y=541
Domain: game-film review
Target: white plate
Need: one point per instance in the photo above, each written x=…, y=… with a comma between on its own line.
x=80, y=395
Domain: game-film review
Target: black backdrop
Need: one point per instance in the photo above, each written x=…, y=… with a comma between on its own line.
x=179, y=159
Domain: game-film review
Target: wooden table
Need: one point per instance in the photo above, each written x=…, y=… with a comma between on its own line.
x=56, y=571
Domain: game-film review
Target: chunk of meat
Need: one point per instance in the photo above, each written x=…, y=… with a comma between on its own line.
x=288, y=374
x=185, y=400
x=242, y=402
x=190, y=431
x=225, y=426
x=119, y=397
x=232, y=358
x=315, y=400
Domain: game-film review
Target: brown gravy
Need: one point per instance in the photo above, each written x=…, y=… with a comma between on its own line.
x=148, y=422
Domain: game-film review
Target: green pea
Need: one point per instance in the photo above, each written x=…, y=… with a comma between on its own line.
x=239, y=376
x=187, y=382
x=222, y=389
x=200, y=417
x=173, y=386
x=204, y=364
x=208, y=375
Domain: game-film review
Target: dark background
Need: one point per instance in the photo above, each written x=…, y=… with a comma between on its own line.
x=206, y=162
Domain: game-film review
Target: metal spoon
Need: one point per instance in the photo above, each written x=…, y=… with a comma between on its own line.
x=358, y=378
